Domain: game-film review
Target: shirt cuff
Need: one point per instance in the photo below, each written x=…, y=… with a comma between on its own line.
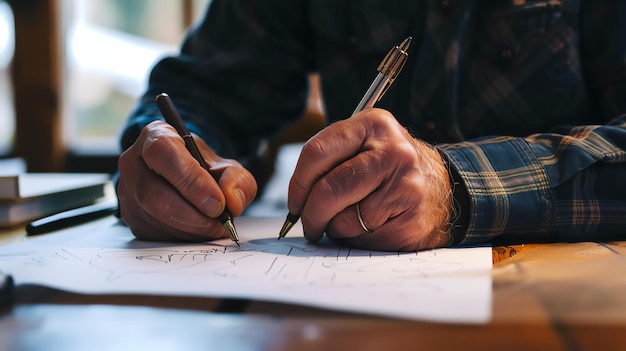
x=508, y=190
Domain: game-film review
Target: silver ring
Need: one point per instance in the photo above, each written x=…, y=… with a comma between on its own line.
x=358, y=215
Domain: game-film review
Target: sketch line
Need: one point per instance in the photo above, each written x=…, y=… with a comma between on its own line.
x=271, y=265
x=71, y=254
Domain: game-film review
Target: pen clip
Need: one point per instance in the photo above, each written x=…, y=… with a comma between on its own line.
x=393, y=63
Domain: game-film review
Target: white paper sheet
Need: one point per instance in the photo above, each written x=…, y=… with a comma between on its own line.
x=446, y=285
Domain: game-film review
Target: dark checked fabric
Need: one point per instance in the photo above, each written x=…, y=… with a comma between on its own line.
x=524, y=99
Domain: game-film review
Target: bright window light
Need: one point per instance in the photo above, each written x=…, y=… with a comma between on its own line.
x=111, y=45
x=7, y=46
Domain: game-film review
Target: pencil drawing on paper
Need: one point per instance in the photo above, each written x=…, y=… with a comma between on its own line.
x=443, y=284
x=287, y=261
x=289, y=270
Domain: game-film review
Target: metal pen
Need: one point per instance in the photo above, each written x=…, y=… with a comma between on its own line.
x=388, y=70
x=71, y=217
x=166, y=106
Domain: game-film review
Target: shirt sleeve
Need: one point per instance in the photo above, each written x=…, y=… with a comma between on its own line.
x=545, y=187
x=566, y=184
x=240, y=77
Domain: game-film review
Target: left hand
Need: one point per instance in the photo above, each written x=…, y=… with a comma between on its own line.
x=400, y=183
x=164, y=193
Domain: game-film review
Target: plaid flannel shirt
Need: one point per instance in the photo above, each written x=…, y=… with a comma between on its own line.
x=524, y=99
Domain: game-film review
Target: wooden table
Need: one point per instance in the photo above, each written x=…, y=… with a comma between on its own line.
x=545, y=297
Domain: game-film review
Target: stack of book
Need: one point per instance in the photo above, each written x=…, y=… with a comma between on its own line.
x=28, y=196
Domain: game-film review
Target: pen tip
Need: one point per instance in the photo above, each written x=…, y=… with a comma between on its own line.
x=289, y=223
x=404, y=46
x=232, y=232
x=283, y=231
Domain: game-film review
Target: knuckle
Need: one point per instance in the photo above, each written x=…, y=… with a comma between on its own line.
x=344, y=178
x=298, y=184
x=378, y=115
x=164, y=202
x=158, y=147
x=313, y=149
x=406, y=150
x=124, y=162
x=188, y=182
x=331, y=187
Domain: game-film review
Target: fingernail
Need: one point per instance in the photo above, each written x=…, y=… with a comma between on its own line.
x=240, y=195
x=211, y=206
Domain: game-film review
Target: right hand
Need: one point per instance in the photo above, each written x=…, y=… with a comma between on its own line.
x=367, y=182
x=164, y=193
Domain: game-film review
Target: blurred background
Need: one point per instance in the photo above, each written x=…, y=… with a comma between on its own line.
x=91, y=59
x=110, y=46
x=71, y=71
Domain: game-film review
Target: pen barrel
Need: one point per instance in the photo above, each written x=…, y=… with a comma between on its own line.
x=373, y=93
x=171, y=115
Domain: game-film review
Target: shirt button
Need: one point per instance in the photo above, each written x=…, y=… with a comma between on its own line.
x=430, y=125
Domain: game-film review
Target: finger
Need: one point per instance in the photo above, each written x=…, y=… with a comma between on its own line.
x=409, y=211
x=164, y=152
x=237, y=184
x=376, y=209
x=146, y=227
x=342, y=187
x=328, y=148
x=151, y=199
x=346, y=224
x=388, y=237
x=399, y=234
x=382, y=149
x=389, y=200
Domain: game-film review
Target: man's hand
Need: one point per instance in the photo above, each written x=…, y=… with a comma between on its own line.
x=165, y=194
x=401, y=185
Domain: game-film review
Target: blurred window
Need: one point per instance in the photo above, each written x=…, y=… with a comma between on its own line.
x=7, y=112
x=110, y=46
